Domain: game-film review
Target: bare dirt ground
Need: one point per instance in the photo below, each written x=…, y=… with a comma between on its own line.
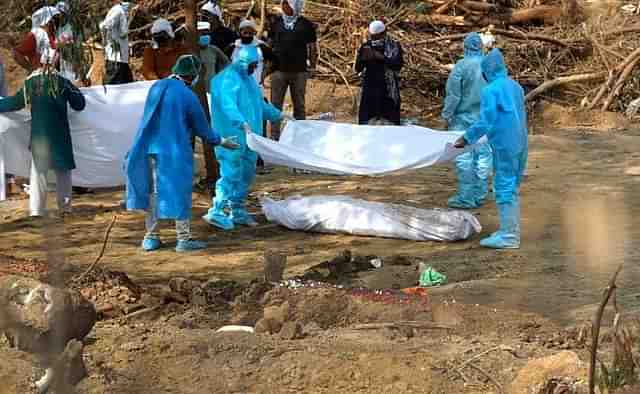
x=578, y=221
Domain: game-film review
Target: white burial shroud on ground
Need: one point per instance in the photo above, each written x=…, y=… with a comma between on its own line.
x=342, y=214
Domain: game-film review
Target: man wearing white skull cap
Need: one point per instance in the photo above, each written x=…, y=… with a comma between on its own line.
x=248, y=31
x=379, y=61
x=221, y=36
x=159, y=58
x=377, y=27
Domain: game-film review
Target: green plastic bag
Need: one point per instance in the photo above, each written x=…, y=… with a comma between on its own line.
x=430, y=277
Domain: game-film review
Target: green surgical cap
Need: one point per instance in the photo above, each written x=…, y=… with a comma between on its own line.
x=187, y=65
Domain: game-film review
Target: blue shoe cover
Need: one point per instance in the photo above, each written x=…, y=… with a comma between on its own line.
x=481, y=192
x=190, y=245
x=241, y=216
x=151, y=244
x=459, y=202
x=508, y=237
x=501, y=240
x=218, y=220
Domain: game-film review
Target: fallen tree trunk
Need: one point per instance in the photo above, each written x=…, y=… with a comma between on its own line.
x=563, y=81
x=480, y=6
x=545, y=13
x=522, y=36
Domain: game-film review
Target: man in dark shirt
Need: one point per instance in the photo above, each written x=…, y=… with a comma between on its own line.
x=221, y=36
x=293, y=38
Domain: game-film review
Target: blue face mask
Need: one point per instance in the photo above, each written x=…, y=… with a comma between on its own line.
x=205, y=40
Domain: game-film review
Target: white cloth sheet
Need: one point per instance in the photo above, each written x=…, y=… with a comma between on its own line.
x=341, y=148
x=343, y=214
x=102, y=135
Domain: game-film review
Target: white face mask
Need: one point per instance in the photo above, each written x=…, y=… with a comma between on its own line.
x=195, y=81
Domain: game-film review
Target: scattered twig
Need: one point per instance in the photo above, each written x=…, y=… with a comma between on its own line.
x=620, y=83
x=450, y=37
x=462, y=375
x=516, y=34
x=477, y=356
x=140, y=312
x=344, y=79
x=395, y=18
x=488, y=376
x=513, y=33
x=595, y=328
x=625, y=30
x=469, y=363
x=104, y=246
x=463, y=9
x=610, y=51
x=603, y=89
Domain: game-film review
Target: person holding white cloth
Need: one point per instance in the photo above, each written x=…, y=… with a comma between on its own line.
x=46, y=93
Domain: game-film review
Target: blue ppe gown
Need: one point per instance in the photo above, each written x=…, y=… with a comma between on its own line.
x=461, y=110
x=172, y=115
x=503, y=119
x=236, y=99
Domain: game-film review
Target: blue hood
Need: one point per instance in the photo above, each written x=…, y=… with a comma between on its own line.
x=472, y=44
x=493, y=66
x=246, y=55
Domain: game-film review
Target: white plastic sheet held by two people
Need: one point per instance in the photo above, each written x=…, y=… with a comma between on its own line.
x=101, y=135
x=342, y=214
x=340, y=148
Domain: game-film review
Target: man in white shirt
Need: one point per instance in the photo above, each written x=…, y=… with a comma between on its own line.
x=115, y=33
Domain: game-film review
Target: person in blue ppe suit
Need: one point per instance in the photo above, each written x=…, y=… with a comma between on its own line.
x=503, y=119
x=461, y=110
x=237, y=108
x=159, y=166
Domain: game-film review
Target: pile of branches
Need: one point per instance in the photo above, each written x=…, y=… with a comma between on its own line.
x=559, y=51
x=555, y=48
